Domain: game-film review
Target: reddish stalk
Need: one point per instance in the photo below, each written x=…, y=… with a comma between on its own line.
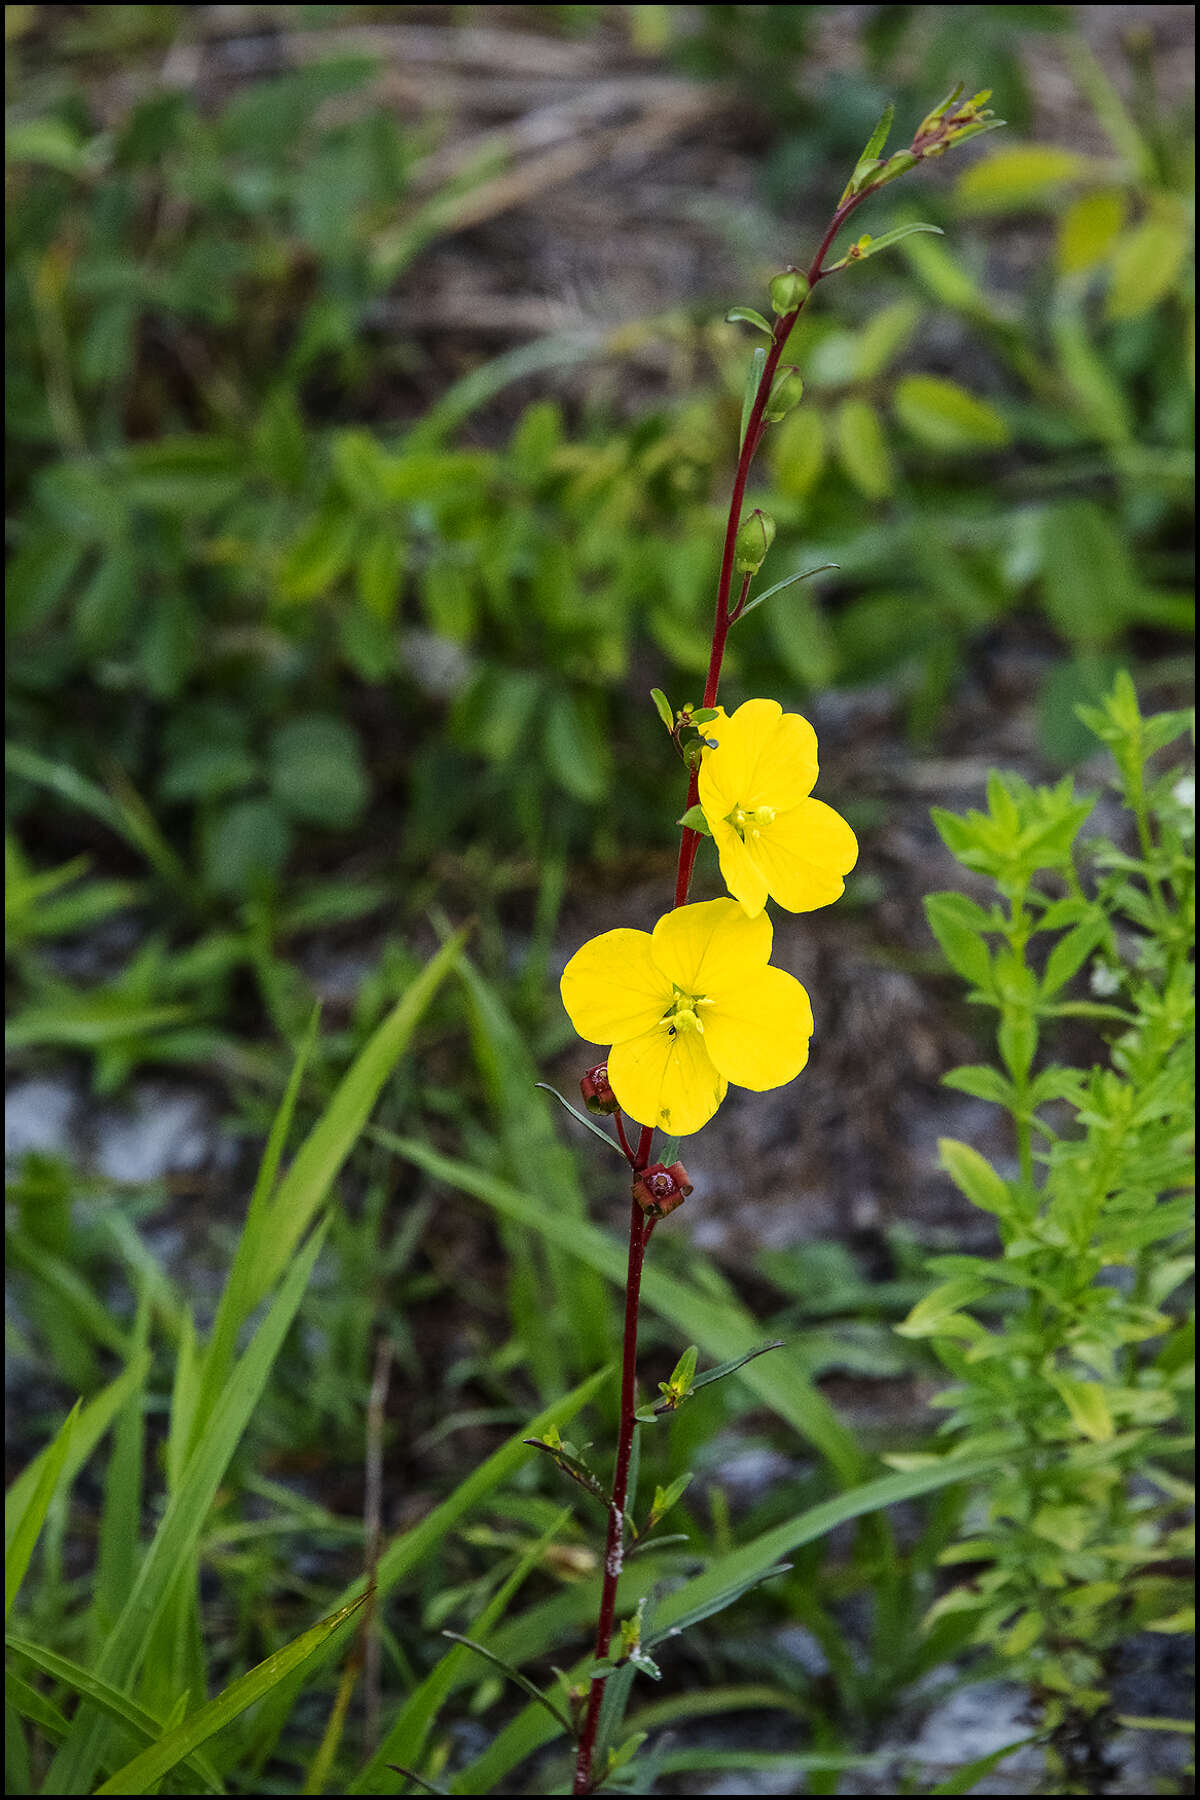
x=640, y=1225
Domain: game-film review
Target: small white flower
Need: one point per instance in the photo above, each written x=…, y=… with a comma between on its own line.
x=1184, y=792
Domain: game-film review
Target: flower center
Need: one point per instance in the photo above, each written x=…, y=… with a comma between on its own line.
x=684, y=1013
x=749, y=821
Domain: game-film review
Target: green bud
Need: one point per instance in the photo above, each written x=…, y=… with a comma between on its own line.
x=786, y=392
x=755, y=537
x=788, y=291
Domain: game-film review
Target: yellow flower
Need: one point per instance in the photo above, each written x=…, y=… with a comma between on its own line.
x=771, y=838
x=688, y=1008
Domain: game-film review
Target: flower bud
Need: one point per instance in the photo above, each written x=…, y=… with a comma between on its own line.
x=786, y=392
x=755, y=536
x=788, y=291
x=659, y=1190
x=598, y=1096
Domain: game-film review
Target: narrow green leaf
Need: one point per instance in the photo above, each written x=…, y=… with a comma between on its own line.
x=791, y=580
x=182, y=1522
x=27, y=1527
x=879, y=137
x=710, y=1603
x=738, y=1362
x=871, y=246
x=694, y=820
x=111, y=1701
x=35, y=1707
x=571, y=1466
x=974, y=1176
x=90, y=1427
x=1072, y=951
x=118, y=1549
x=142, y=1775
x=514, y=1675
x=235, y=1303
x=583, y=1118
x=721, y=1330
x=746, y=315
x=409, y=1733
x=663, y=707
x=758, y=363
x=666, y=1498
x=320, y=1157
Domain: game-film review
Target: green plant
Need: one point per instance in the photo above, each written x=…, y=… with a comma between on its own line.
x=1071, y=1352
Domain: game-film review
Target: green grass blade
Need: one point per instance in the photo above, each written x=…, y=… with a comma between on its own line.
x=234, y=1304
x=120, y=1515
x=723, y=1331
x=27, y=1527
x=110, y=1700
x=184, y=1400
x=753, y=1560
x=93, y=1421
x=535, y=1155
x=69, y=1290
x=26, y=1700
x=408, y=1734
x=179, y=1530
x=142, y=1774
x=531, y=1729
x=414, y=1547
x=325, y=1149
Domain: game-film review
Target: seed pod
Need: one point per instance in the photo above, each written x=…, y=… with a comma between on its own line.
x=788, y=291
x=755, y=536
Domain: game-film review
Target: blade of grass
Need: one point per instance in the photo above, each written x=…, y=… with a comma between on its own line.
x=142, y=1774
x=287, y=1217
x=25, y=1699
x=93, y=1421
x=409, y=1733
x=533, y=1151
x=119, y=1706
x=121, y=1511
x=234, y=1304
x=723, y=1331
x=179, y=1530
x=27, y=1527
x=531, y=1729
x=414, y=1547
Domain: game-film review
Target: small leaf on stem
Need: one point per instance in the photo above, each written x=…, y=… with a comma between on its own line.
x=663, y=706
x=746, y=315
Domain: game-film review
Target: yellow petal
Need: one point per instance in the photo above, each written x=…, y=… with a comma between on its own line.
x=709, y=944
x=613, y=989
x=667, y=1081
x=757, y=1034
x=740, y=873
x=805, y=855
x=764, y=757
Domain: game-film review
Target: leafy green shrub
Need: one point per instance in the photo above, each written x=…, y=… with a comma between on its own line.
x=1071, y=1353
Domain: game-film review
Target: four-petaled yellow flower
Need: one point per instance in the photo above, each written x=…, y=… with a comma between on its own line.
x=689, y=1008
x=771, y=838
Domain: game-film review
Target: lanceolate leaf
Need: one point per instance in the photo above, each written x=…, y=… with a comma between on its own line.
x=514, y=1675
x=746, y=315
x=870, y=246
x=142, y=1775
x=791, y=581
x=595, y=1129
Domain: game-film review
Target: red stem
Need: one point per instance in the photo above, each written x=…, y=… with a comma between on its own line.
x=640, y=1226
x=614, y=1548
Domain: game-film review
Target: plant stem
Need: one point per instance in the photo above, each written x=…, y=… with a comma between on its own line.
x=640, y=1224
x=614, y=1549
